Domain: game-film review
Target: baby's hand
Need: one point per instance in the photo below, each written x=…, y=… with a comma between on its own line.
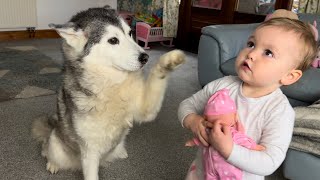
x=192, y=142
x=208, y=123
x=194, y=122
x=220, y=138
x=259, y=148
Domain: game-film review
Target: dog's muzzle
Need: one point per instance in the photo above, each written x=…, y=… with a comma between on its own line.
x=143, y=58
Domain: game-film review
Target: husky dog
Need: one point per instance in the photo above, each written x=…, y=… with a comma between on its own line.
x=103, y=93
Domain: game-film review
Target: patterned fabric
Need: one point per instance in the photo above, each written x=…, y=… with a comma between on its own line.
x=216, y=167
x=309, y=6
x=192, y=172
x=157, y=4
x=141, y=6
x=170, y=17
x=170, y=12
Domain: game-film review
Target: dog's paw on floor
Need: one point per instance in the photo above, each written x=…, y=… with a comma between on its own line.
x=52, y=168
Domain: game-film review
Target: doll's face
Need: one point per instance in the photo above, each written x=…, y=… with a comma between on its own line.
x=227, y=119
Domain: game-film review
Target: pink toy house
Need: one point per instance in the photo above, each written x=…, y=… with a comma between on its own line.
x=146, y=33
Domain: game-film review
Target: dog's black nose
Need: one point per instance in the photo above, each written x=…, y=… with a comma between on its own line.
x=143, y=58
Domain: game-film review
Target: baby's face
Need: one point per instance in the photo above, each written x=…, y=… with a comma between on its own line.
x=270, y=54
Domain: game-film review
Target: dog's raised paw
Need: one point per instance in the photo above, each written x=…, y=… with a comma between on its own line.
x=172, y=59
x=52, y=168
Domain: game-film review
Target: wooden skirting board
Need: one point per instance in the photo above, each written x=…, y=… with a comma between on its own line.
x=20, y=35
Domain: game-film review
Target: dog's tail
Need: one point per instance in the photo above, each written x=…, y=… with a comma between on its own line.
x=41, y=129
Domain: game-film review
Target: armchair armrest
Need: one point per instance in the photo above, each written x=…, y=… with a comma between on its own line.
x=218, y=44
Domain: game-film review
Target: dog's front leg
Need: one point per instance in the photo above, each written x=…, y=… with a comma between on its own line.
x=155, y=86
x=90, y=164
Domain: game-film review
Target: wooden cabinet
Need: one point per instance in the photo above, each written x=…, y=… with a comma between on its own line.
x=192, y=19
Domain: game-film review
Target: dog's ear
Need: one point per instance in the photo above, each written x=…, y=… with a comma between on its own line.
x=107, y=7
x=110, y=9
x=73, y=35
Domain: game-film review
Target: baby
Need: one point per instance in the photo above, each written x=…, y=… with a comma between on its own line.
x=276, y=54
x=221, y=106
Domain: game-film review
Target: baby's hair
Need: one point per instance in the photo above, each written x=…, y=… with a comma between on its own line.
x=306, y=36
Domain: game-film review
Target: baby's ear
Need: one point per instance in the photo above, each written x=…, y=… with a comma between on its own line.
x=292, y=77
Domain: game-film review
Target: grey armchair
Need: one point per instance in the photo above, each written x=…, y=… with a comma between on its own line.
x=218, y=48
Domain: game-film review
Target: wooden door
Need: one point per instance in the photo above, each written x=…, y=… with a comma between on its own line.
x=192, y=19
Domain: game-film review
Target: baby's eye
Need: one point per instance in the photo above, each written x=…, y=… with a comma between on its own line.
x=268, y=53
x=250, y=44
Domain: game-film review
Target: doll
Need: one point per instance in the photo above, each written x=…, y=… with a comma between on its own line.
x=222, y=106
x=316, y=61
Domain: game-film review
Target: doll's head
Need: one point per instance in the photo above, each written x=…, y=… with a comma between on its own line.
x=221, y=106
x=316, y=61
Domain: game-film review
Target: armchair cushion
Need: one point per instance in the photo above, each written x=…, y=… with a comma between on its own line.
x=301, y=166
x=228, y=67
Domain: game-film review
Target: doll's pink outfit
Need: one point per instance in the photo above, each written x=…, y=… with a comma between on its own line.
x=215, y=166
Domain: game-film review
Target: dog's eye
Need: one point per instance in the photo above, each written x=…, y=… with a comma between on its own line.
x=130, y=33
x=113, y=41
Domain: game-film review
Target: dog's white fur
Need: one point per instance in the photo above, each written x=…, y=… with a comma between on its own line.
x=122, y=96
